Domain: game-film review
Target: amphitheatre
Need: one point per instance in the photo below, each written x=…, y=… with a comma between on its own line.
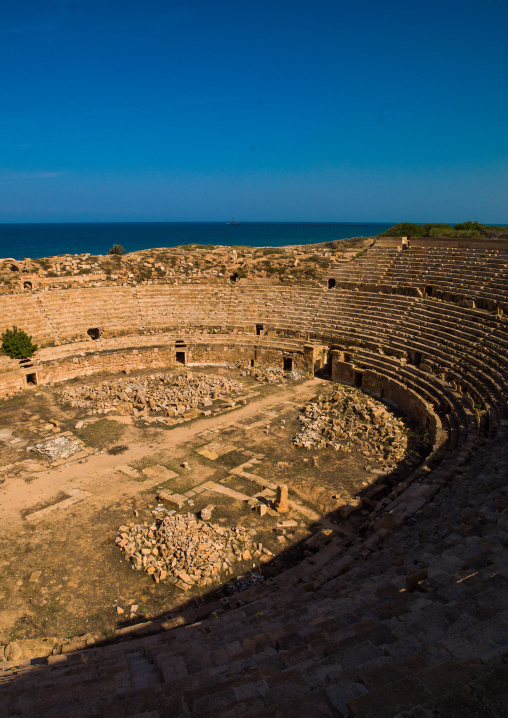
x=319, y=435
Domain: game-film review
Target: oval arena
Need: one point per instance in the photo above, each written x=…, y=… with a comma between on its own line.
x=395, y=605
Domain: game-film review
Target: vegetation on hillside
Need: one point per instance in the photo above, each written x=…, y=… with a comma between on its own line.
x=117, y=249
x=18, y=344
x=468, y=230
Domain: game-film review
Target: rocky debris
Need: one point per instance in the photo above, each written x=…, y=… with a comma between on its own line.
x=242, y=583
x=59, y=448
x=160, y=512
x=306, y=264
x=294, y=375
x=267, y=374
x=349, y=418
x=183, y=550
x=273, y=374
x=173, y=394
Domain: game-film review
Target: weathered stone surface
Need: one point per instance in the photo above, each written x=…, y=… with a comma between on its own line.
x=13, y=651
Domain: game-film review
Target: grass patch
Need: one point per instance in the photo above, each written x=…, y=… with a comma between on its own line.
x=102, y=433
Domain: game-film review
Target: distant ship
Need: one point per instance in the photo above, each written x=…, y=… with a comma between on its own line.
x=233, y=222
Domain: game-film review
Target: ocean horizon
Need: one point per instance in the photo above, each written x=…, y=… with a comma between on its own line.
x=35, y=240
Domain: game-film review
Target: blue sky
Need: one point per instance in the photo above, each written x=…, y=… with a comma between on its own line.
x=311, y=111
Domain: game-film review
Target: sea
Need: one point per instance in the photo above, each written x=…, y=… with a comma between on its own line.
x=20, y=241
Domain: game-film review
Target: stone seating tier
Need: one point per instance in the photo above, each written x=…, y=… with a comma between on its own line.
x=341, y=316
x=480, y=273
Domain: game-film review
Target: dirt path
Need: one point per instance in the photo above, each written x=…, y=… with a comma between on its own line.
x=17, y=497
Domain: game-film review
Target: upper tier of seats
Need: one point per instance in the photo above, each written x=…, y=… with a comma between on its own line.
x=480, y=274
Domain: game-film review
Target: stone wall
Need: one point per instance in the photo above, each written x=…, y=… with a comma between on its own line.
x=116, y=356
x=389, y=390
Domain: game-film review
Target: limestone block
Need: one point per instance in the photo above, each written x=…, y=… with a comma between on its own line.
x=13, y=651
x=281, y=503
x=175, y=501
x=206, y=513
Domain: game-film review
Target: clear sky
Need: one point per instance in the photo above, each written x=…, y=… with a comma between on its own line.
x=323, y=110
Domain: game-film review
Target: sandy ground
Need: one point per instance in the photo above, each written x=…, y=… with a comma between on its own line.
x=16, y=499
x=83, y=578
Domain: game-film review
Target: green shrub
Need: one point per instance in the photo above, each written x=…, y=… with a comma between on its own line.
x=18, y=344
x=468, y=230
x=117, y=249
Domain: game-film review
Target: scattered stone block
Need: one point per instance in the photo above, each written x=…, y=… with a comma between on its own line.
x=206, y=513
x=175, y=501
x=128, y=471
x=289, y=523
x=13, y=651
x=346, y=510
x=212, y=486
x=208, y=454
x=281, y=503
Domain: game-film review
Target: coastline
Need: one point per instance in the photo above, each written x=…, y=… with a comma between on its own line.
x=35, y=241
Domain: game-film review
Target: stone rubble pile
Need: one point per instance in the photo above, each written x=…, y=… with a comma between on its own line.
x=183, y=550
x=294, y=375
x=349, y=419
x=170, y=393
x=273, y=374
x=59, y=448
